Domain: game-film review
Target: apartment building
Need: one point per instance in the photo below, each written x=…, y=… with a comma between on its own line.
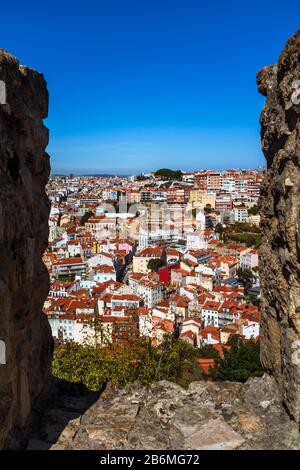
x=201, y=199
x=249, y=260
x=214, y=181
x=223, y=201
x=69, y=268
x=240, y=214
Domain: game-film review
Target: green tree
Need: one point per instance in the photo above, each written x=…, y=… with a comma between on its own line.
x=207, y=209
x=249, y=239
x=208, y=352
x=93, y=365
x=86, y=217
x=245, y=277
x=219, y=229
x=240, y=362
x=253, y=210
x=166, y=173
x=154, y=264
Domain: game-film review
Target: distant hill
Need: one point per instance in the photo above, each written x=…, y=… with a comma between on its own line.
x=166, y=173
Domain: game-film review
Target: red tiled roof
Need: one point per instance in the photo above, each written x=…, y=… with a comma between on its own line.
x=151, y=252
x=67, y=261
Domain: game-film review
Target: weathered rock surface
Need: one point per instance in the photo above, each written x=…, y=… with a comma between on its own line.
x=24, y=210
x=280, y=210
x=206, y=416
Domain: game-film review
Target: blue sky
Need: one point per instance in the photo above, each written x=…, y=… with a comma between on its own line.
x=137, y=85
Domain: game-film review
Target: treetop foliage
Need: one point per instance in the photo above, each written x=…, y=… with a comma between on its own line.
x=169, y=174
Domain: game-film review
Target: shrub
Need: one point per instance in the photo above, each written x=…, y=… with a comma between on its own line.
x=240, y=362
x=173, y=360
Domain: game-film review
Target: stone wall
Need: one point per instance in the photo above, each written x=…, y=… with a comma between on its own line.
x=206, y=416
x=280, y=206
x=24, y=210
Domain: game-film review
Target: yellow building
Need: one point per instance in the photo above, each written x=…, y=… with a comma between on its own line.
x=214, y=181
x=200, y=199
x=96, y=248
x=133, y=197
x=65, y=219
x=141, y=260
x=133, y=228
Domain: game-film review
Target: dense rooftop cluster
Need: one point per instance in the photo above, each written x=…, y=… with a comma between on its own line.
x=148, y=254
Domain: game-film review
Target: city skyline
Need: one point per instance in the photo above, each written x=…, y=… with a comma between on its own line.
x=137, y=173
